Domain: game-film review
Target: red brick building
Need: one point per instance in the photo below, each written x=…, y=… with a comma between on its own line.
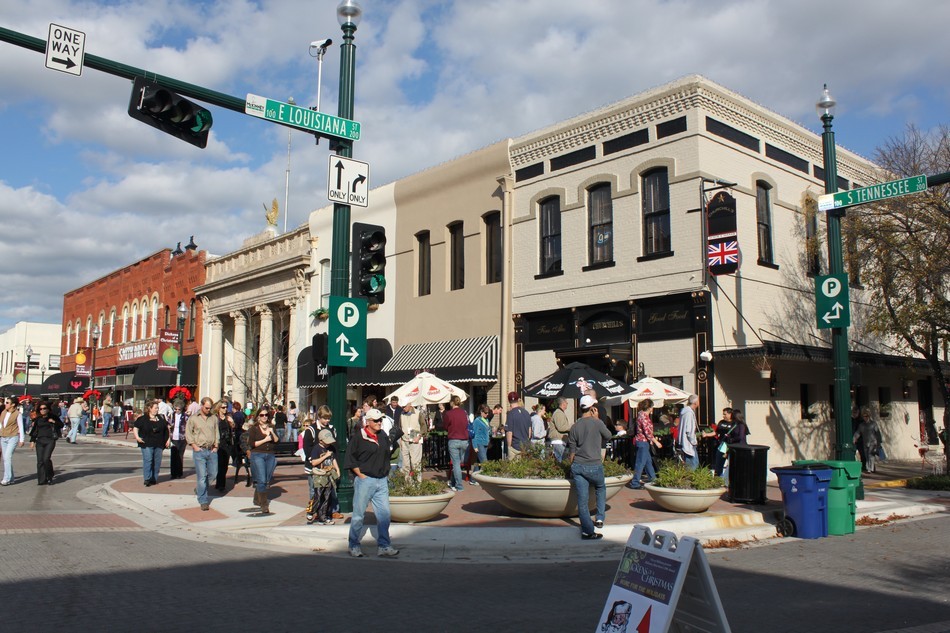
x=130, y=307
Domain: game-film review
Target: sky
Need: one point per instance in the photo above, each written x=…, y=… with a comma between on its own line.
x=85, y=189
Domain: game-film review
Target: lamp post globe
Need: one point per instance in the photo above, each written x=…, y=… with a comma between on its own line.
x=349, y=12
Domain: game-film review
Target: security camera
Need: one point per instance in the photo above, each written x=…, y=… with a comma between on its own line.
x=324, y=44
x=706, y=356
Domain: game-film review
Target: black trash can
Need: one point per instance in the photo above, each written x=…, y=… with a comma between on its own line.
x=748, y=471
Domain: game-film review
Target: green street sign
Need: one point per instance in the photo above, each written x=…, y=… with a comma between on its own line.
x=832, y=304
x=873, y=193
x=347, y=330
x=304, y=118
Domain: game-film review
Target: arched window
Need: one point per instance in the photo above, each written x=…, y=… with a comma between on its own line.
x=656, y=212
x=600, y=217
x=102, y=332
x=763, y=218
x=88, y=331
x=133, y=330
x=550, y=213
x=69, y=338
x=154, y=317
x=168, y=315
x=112, y=328
x=125, y=324
x=424, y=261
x=493, y=253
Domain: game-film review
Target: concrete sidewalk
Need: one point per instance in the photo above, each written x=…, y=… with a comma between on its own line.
x=474, y=527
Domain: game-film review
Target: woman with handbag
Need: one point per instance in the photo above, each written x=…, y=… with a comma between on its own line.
x=151, y=434
x=642, y=440
x=723, y=429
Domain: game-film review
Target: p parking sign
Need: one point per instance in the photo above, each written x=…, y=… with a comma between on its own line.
x=832, y=303
x=347, y=344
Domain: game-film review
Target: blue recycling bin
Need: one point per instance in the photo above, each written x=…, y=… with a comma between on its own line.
x=805, y=496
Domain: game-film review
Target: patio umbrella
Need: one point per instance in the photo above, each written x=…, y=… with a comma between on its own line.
x=571, y=381
x=426, y=388
x=656, y=390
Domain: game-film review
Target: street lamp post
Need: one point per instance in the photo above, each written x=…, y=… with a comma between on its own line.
x=844, y=443
x=348, y=15
x=42, y=377
x=29, y=355
x=92, y=381
x=182, y=313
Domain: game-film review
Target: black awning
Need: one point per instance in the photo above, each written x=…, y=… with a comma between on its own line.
x=312, y=373
x=13, y=389
x=777, y=350
x=149, y=375
x=66, y=382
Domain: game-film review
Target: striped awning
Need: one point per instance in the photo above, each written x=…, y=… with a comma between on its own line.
x=472, y=359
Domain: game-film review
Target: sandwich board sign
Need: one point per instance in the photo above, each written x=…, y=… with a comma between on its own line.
x=663, y=584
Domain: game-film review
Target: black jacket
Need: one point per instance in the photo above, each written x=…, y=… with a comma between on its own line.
x=371, y=457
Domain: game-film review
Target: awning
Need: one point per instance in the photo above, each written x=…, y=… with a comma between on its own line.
x=312, y=373
x=64, y=383
x=777, y=350
x=14, y=389
x=466, y=359
x=149, y=375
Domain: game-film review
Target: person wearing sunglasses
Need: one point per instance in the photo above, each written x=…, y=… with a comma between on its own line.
x=262, y=440
x=11, y=436
x=46, y=429
x=201, y=433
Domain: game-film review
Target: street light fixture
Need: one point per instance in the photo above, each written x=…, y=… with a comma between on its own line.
x=182, y=313
x=42, y=374
x=29, y=355
x=844, y=442
x=92, y=378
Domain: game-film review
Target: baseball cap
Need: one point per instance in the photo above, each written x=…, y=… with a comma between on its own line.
x=326, y=437
x=375, y=414
x=587, y=402
x=513, y=396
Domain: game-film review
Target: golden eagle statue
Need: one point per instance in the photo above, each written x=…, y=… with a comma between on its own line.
x=272, y=214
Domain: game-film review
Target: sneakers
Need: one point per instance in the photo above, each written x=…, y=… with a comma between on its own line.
x=598, y=523
x=311, y=518
x=472, y=483
x=356, y=552
x=327, y=522
x=336, y=515
x=453, y=488
x=205, y=506
x=593, y=536
x=387, y=552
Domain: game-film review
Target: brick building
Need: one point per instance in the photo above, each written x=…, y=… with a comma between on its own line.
x=130, y=307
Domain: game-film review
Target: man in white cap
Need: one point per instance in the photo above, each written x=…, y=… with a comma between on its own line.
x=410, y=444
x=584, y=442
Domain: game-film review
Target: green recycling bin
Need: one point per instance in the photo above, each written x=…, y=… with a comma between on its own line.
x=845, y=479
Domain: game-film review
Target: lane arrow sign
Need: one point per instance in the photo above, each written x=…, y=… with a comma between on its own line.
x=344, y=350
x=834, y=314
x=68, y=62
x=359, y=180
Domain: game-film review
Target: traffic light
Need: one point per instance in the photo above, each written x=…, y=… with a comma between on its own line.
x=161, y=108
x=368, y=252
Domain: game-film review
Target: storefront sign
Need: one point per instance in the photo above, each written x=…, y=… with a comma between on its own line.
x=84, y=362
x=606, y=327
x=168, y=350
x=722, y=248
x=137, y=351
x=549, y=331
x=665, y=320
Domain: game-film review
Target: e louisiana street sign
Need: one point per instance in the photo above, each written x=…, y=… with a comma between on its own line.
x=873, y=193
x=304, y=118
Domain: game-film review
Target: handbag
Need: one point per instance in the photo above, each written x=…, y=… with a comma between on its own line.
x=723, y=448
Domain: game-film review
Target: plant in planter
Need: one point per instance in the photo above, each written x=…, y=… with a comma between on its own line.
x=764, y=367
x=321, y=314
x=412, y=500
x=538, y=485
x=679, y=488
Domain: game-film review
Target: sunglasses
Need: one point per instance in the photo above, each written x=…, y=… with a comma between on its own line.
x=44, y=408
x=264, y=416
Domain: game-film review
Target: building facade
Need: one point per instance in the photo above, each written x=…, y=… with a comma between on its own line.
x=36, y=344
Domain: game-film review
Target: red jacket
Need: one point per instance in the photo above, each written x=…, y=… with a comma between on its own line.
x=455, y=422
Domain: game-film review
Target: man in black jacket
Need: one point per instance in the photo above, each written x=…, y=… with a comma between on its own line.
x=367, y=458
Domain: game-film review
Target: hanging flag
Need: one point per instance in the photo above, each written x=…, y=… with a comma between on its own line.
x=722, y=243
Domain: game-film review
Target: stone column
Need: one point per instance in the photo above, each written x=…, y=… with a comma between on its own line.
x=266, y=380
x=216, y=351
x=239, y=362
x=293, y=348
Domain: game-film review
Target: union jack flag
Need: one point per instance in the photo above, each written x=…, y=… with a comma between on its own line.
x=723, y=253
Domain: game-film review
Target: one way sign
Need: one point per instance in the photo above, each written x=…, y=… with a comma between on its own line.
x=348, y=181
x=65, y=48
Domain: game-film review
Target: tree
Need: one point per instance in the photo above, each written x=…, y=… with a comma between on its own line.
x=902, y=246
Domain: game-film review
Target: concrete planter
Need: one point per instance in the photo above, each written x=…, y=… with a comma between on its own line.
x=418, y=509
x=680, y=500
x=545, y=498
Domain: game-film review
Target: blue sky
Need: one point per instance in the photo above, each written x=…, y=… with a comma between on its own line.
x=85, y=189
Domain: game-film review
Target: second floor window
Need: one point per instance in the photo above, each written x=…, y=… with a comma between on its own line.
x=456, y=257
x=763, y=217
x=656, y=212
x=550, y=213
x=325, y=284
x=493, y=251
x=192, y=317
x=600, y=237
x=424, y=280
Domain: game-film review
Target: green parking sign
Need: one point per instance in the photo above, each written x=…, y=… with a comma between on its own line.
x=347, y=341
x=832, y=304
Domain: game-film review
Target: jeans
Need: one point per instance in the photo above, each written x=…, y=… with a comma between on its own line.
x=291, y=433
x=8, y=444
x=558, y=450
x=458, y=451
x=719, y=462
x=482, y=454
x=151, y=462
x=692, y=460
x=643, y=461
x=585, y=476
x=366, y=490
x=262, y=469
x=206, y=471
x=106, y=423
x=74, y=424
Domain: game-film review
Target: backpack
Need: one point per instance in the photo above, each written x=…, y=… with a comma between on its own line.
x=471, y=429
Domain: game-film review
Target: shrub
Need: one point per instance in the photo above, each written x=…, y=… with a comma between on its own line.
x=930, y=482
x=402, y=486
x=535, y=463
x=675, y=474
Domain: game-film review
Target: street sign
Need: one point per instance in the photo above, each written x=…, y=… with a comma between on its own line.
x=347, y=329
x=304, y=118
x=65, y=48
x=872, y=193
x=348, y=181
x=832, y=304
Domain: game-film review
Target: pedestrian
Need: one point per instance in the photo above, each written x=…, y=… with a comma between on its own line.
x=293, y=422
x=643, y=439
x=177, y=426
x=558, y=427
x=413, y=429
x=323, y=418
x=106, y=408
x=11, y=436
x=481, y=436
x=118, y=415
x=367, y=458
x=723, y=428
x=868, y=437
x=75, y=414
x=201, y=432
x=456, y=428
x=518, y=427
x=225, y=443
x=740, y=430
x=584, y=442
x=688, y=441
x=151, y=435
x=497, y=424
x=43, y=435
x=262, y=440
x=539, y=431
x=324, y=473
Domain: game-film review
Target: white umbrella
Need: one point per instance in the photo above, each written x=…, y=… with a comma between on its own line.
x=657, y=391
x=426, y=388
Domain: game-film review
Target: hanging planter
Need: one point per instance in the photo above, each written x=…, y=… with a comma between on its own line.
x=321, y=314
x=183, y=392
x=764, y=367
